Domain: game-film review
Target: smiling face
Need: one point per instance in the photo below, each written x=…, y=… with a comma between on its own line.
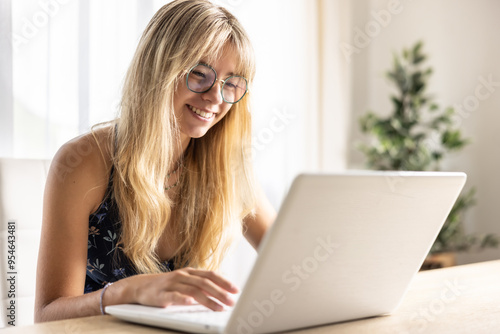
x=198, y=112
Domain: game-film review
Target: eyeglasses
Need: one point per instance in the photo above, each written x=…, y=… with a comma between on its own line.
x=202, y=77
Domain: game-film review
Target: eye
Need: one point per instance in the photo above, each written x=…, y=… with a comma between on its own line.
x=235, y=82
x=199, y=74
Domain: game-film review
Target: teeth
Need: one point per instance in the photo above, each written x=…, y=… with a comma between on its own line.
x=201, y=113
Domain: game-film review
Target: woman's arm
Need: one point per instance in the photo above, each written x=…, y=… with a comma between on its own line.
x=75, y=187
x=256, y=226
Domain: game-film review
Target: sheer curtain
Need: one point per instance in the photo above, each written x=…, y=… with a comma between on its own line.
x=63, y=63
x=68, y=62
x=6, y=95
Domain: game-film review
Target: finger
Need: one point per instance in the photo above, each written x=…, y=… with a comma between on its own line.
x=164, y=299
x=214, y=277
x=153, y=294
x=177, y=298
x=199, y=296
x=209, y=288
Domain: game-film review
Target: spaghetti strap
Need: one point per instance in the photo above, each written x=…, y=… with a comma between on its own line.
x=115, y=148
x=113, y=157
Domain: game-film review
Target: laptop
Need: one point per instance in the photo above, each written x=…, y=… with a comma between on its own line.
x=344, y=246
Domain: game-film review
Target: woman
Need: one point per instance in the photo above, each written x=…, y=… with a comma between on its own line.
x=166, y=185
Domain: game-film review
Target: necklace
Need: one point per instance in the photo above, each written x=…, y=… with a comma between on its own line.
x=167, y=188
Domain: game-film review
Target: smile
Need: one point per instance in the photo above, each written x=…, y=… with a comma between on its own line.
x=201, y=113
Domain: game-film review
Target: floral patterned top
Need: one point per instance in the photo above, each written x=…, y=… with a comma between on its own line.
x=106, y=262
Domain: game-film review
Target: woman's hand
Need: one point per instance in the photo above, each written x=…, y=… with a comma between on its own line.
x=181, y=287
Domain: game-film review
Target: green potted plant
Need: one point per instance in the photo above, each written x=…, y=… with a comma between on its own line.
x=416, y=136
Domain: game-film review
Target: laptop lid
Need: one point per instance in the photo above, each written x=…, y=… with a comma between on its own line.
x=344, y=246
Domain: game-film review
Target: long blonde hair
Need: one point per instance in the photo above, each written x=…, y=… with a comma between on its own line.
x=216, y=190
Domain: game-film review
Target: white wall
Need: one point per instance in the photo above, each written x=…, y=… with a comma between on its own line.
x=461, y=39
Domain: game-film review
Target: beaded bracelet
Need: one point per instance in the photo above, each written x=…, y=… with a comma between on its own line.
x=102, y=294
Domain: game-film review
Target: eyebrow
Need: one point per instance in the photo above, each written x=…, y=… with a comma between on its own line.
x=230, y=74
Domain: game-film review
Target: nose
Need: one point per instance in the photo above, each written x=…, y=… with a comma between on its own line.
x=214, y=94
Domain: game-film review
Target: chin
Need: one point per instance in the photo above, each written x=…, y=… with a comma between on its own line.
x=195, y=133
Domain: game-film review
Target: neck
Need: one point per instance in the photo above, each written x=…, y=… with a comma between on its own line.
x=180, y=149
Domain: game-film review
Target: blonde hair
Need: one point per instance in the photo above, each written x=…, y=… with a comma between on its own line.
x=216, y=190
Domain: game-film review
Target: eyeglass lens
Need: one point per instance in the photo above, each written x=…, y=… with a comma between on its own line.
x=201, y=78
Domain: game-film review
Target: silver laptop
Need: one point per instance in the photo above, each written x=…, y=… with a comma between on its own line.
x=344, y=246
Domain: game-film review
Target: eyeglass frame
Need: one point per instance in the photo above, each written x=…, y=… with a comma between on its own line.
x=223, y=83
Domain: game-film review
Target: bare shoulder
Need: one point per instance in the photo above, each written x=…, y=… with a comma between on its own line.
x=75, y=187
x=83, y=164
